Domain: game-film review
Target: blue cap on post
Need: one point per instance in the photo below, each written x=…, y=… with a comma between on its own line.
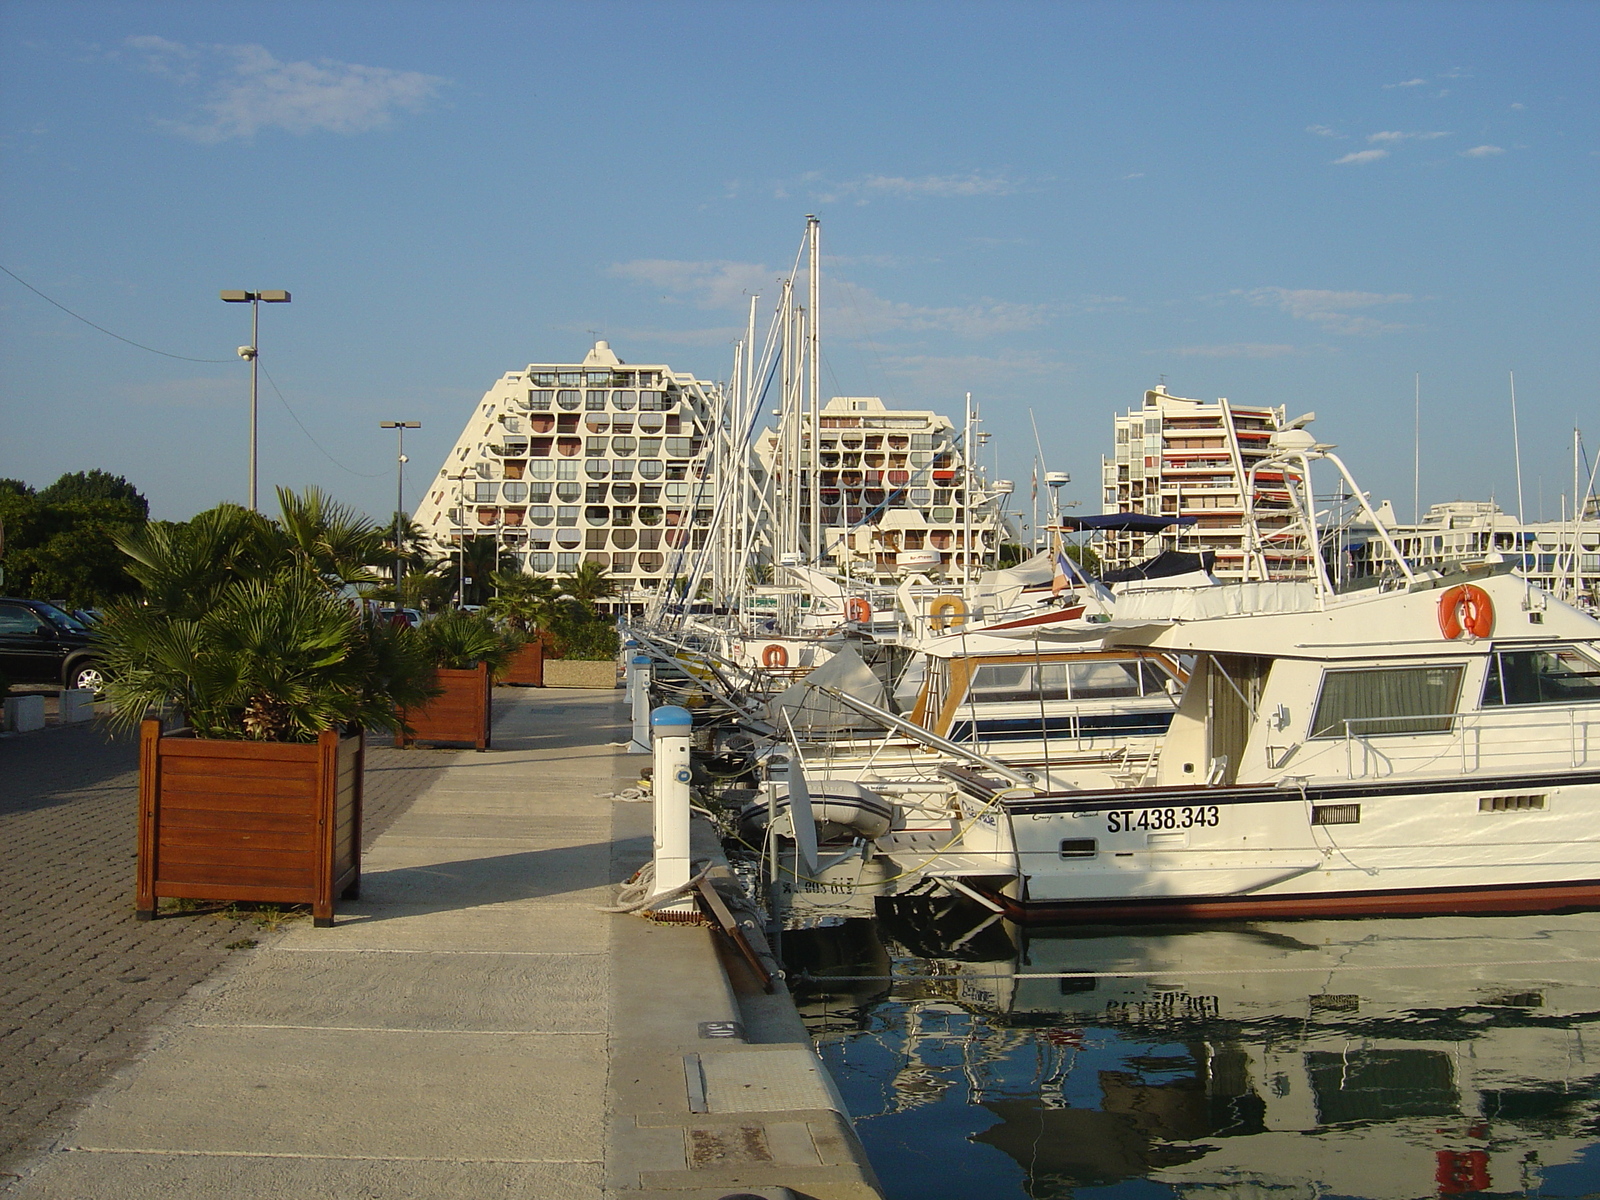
x=641, y=660
x=670, y=721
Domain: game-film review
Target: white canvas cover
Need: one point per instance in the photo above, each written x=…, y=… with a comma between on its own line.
x=810, y=709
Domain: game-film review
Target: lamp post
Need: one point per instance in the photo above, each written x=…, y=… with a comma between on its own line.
x=400, y=428
x=461, y=537
x=250, y=355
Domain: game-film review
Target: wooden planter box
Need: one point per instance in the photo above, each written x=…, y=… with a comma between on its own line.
x=269, y=822
x=459, y=714
x=527, y=668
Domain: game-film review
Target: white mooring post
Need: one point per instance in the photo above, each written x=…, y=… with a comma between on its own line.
x=639, y=703
x=670, y=728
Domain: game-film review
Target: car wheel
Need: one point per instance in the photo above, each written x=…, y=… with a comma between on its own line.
x=88, y=677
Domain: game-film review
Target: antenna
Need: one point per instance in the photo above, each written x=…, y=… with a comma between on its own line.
x=1516, y=448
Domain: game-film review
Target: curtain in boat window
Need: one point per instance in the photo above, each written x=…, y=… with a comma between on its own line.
x=1387, y=700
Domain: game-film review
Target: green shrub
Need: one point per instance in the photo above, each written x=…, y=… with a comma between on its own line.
x=587, y=640
x=459, y=641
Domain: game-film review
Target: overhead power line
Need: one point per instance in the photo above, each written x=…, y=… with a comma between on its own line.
x=102, y=328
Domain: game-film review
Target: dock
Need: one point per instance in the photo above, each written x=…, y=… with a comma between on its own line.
x=474, y=1024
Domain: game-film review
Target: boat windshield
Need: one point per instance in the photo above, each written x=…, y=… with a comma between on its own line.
x=1552, y=675
x=1093, y=679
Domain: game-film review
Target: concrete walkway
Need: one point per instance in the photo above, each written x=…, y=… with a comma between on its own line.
x=474, y=1026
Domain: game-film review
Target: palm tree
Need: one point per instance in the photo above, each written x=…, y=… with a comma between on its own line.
x=328, y=538
x=482, y=558
x=245, y=630
x=411, y=553
x=524, y=601
x=588, y=584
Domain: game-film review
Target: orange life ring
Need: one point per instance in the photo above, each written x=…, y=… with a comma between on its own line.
x=1466, y=608
x=857, y=609
x=774, y=656
x=947, y=612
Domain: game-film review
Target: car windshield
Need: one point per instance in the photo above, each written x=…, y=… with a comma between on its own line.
x=61, y=620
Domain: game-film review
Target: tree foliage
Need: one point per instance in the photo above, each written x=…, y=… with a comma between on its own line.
x=244, y=626
x=61, y=543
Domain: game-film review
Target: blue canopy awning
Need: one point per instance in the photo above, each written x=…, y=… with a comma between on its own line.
x=1126, y=522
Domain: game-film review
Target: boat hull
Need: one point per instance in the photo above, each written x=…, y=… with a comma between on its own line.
x=1459, y=901
x=1351, y=848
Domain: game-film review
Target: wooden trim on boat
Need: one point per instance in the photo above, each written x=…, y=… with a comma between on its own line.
x=1491, y=898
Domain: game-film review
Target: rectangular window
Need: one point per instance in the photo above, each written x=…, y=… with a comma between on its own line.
x=567, y=515
x=484, y=493
x=1387, y=700
x=566, y=563
x=1078, y=847
x=595, y=401
x=566, y=468
x=1554, y=675
x=540, y=401
x=1336, y=814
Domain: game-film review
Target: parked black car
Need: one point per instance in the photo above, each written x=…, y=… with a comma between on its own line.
x=39, y=643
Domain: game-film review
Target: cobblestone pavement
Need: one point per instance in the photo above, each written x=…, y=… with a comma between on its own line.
x=81, y=982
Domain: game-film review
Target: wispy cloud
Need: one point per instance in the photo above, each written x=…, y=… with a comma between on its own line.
x=875, y=187
x=1395, y=135
x=1232, y=350
x=938, y=376
x=938, y=185
x=1483, y=152
x=1330, y=310
x=1326, y=131
x=248, y=90
x=1360, y=156
x=1407, y=83
x=624, y=336
x=859, y=311
x=714, y=284
x=863, y=312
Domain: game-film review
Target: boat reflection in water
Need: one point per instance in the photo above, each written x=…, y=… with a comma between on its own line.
x=1379, y=1058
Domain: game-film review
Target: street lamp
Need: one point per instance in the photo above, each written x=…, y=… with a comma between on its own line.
x=249, y=354
x=400, y=428
x=461, y=536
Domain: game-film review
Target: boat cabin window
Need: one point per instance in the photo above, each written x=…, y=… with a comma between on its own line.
x=1386, y=700
x=1552, y=675
x=1096, y=679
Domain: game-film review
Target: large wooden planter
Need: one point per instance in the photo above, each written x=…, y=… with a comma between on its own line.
x=527, y=668
x=269, y=822
x=459, y=714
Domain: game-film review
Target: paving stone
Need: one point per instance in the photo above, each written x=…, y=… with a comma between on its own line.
x=84, y=983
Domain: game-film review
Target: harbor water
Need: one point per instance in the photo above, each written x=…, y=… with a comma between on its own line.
x=1376, y=1058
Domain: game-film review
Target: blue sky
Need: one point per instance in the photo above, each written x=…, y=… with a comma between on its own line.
x=1053, y=206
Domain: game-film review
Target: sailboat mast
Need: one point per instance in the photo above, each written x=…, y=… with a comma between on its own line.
x=1516, y=445
x=814, y=364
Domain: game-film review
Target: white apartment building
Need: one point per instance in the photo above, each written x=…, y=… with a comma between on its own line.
x=892, y=488
x=599, y=461
x=1191, y=458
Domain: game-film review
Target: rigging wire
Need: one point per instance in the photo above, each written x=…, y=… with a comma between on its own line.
x=102, y=328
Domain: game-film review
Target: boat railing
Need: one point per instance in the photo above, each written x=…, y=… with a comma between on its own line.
x=1549, y=738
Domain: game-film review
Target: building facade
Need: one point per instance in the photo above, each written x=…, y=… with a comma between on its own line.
x=1191, y=458
x=1562, y=557
x=892, y=488
x=599, y=461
